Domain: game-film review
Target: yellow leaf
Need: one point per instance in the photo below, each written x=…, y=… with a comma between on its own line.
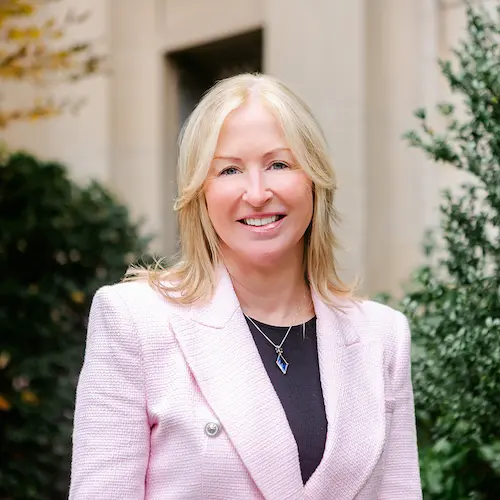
x=14, y=34
x=26, y=9
x=29, y=397
x=33, y=32
x=4, y=359
x=4, y=404
x=78, y=297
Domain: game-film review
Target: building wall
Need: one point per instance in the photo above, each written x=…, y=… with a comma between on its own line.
x=401, y=41
x=81, y=141
x=327, y=68
x=363, y=67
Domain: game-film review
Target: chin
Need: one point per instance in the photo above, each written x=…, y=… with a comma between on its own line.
x=264, y=258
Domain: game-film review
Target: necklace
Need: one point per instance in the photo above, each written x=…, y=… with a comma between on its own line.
x=281, y=362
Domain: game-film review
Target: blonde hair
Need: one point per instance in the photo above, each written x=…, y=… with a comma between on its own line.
x=193, y=277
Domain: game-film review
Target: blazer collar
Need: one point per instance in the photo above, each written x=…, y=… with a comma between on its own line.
x=224, y=304
x=226, y=364
x=353, y=390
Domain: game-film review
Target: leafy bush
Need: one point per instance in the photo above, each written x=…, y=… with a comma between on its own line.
x=58, y=243
x=454, y=300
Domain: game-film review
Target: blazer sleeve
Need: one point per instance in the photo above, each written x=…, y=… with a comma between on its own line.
x=111, y=430
x=401, y=479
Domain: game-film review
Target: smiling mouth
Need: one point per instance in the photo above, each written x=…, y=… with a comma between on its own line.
x=261, y=221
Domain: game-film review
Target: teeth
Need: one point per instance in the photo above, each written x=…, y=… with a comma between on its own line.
x=261, y=222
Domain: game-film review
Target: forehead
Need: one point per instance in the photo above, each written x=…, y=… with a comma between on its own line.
x=252, y=110
x=253, y=123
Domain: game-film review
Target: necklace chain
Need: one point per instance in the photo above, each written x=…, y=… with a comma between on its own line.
x=277, y=348
x=281, y=362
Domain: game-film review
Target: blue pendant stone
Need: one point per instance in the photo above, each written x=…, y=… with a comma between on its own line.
x=282, y=364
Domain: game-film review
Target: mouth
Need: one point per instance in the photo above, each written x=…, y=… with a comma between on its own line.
x=262, y=221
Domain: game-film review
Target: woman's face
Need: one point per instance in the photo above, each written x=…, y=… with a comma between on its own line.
x=259, y=200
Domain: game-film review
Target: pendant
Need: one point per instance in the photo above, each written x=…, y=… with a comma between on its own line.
x=282, y=363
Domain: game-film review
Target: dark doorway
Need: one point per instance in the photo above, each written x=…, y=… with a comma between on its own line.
x=195, y=70
x=199, y=67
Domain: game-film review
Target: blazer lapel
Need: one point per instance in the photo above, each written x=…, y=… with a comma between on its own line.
x=224, y=360
x=352, y=381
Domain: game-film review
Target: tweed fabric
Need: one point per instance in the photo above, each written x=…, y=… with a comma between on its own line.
x=155, y=374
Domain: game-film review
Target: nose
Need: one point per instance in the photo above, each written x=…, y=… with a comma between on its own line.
x=256, y=192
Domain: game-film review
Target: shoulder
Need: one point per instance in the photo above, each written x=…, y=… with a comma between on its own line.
x=388, y=326
x=373, y=313
x=374, y=321
x=134, y=301
x=126, y=293
x=129, y=291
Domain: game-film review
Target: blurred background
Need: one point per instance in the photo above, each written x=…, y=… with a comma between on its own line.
x=363, y=67
x=93, y=94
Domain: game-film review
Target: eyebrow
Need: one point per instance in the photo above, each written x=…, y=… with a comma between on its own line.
x=266, y=155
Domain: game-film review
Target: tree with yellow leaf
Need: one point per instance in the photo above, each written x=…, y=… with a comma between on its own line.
x=33, y=49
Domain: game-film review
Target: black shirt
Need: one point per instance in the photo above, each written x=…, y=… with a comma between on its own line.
x=299, y=390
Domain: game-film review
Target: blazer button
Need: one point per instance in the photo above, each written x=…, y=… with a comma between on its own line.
x=212, y=429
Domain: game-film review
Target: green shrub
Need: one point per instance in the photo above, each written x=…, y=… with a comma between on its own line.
x=58, y=243
x=454, y=300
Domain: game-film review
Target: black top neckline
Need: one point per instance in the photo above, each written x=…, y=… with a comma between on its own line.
x=281, y=328
x=299, y=390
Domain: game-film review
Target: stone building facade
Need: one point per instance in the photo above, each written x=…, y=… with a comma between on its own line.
x=362, y=65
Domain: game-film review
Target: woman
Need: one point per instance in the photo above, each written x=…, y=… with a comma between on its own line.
x=247, y=370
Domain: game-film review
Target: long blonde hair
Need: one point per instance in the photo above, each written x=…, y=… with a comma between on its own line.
x=193, y=277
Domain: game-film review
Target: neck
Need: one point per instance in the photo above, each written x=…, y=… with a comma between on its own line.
x=276, y=295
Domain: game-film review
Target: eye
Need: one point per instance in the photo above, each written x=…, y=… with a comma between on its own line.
x=279, y=165
x=229, y=171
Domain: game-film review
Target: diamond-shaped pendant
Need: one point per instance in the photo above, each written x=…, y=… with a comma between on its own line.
x=282, y=363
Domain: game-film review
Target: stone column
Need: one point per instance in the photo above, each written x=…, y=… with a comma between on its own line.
x=317, y=47
x=402, y=52
x=137, y=97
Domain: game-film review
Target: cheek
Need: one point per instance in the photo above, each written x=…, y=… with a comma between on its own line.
x=219, y=197
x=298, y=192
x=303, y=202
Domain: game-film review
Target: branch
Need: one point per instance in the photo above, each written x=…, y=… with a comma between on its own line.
x=47, y=108
x=42, y=65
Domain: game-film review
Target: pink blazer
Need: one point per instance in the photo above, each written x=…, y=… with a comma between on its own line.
x=156, y=374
